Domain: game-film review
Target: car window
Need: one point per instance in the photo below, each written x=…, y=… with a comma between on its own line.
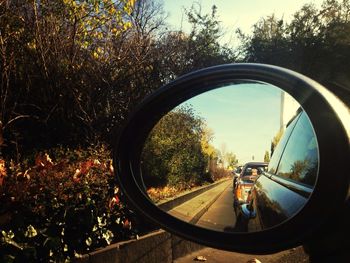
x=299, y=161
x=275, y=158
x=247, y=171
x=253, y=170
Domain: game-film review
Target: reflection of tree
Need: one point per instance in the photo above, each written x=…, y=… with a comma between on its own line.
x=173, y=153
x=178, y=152
x=228, y=159
x=311, y=174
x=276, y=140
x=231, y=159
x=208, y=149
x=298, y=168
x=266, y=157
x=303, y=171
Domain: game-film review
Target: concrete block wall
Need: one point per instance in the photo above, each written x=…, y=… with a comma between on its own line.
x=156, y=247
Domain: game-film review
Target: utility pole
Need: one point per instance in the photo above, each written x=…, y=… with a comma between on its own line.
x=282, y=111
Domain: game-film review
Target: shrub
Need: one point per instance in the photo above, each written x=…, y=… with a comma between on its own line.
x=219, y=173
x=55, y=211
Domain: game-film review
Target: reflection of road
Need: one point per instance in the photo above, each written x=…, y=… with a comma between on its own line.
x=221, y=215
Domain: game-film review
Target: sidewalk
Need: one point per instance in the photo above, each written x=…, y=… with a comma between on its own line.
x=192, y=210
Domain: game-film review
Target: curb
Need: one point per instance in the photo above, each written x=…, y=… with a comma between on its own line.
x=195, y=219
x=168, y=205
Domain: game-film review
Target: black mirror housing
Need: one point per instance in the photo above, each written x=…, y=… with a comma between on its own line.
x=329, y=117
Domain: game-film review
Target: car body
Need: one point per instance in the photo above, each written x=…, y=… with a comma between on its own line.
x=237, y=171
x=288, y=182
x=246, y=179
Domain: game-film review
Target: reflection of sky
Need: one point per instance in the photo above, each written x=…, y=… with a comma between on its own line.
x=244, y=117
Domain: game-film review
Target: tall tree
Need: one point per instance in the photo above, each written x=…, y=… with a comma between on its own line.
x=71, y=70
x=266, y=157
x=231, y=160
x=173, y=154
x=276, y=140
x=315, y=42
x=198, y=49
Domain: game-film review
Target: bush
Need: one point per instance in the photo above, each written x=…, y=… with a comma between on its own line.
x=219, y=173
x=55, y=211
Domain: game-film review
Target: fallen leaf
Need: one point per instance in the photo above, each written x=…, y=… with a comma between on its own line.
x=254, y=260
x=200, y=258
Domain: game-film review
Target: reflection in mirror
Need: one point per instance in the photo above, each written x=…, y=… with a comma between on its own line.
x=238, y=158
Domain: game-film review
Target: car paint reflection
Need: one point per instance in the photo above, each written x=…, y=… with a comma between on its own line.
x=274, y=203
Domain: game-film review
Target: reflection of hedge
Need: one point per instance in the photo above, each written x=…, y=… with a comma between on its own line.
x=173, y=154
x=56, y=211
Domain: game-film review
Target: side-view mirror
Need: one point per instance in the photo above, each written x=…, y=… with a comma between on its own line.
x=289, y=196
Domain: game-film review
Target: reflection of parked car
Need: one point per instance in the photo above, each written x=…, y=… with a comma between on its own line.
x=286, y=185
x=237, y=171
x=244, y=182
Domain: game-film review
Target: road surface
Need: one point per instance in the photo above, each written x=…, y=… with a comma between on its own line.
x=220, y=216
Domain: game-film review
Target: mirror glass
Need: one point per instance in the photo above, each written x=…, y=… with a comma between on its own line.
x=239, y=158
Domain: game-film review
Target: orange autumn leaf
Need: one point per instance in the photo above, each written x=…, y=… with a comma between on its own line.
x=2, y=168
x=114, y=201
x=127, y=224
x=86, y=166
x=3, y=172
x=111, y=168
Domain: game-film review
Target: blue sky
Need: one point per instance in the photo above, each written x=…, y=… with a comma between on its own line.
x=243, y=117
x=234, y=14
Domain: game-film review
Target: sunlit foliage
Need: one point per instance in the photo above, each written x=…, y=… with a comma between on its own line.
x=65, y=204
